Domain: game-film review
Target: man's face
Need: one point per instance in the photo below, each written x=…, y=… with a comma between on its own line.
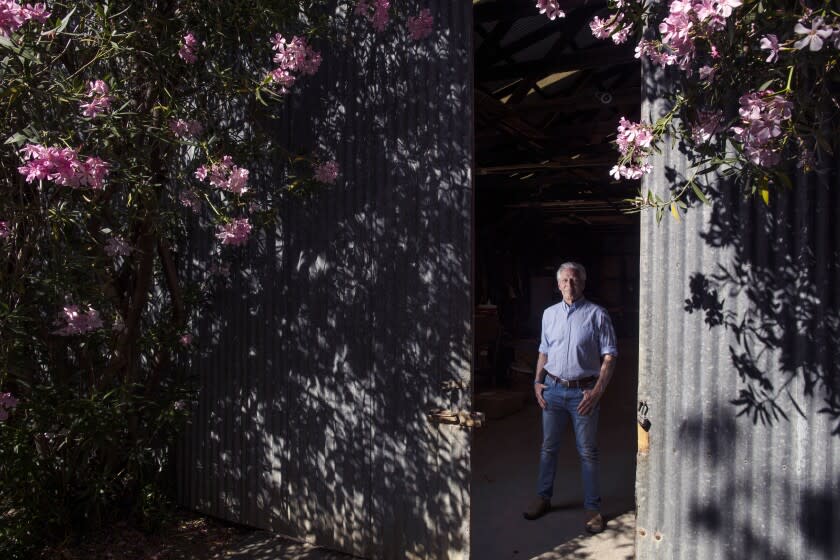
x=570, y=284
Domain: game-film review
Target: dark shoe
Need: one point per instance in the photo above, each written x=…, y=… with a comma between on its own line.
x=537, y=509
x=594, y=522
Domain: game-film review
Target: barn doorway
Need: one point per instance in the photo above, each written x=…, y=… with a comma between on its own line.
x=548, y=97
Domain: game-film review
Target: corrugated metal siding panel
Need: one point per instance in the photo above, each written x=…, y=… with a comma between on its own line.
x=740, y=297
x=330, y=347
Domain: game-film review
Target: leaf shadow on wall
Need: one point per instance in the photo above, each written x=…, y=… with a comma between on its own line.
x=345, y=320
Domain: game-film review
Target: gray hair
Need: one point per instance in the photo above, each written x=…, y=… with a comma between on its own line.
x=574, y=266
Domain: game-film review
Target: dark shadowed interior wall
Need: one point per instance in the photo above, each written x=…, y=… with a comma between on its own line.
x=739, y=323
x=350, y=318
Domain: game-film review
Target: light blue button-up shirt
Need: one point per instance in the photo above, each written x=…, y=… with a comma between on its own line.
x=575, y=337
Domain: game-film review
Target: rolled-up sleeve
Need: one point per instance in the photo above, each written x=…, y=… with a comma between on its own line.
x=606, y=335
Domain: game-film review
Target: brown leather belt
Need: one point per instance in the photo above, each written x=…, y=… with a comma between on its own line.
x=585, y=383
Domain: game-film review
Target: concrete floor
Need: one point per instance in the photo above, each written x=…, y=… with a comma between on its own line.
x=505, y=462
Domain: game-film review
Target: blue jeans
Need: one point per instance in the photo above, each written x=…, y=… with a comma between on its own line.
x=560, y=405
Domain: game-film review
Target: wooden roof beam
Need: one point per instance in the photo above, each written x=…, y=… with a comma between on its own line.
x=579, y=60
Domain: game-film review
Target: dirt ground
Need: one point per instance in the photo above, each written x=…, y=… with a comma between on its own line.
x=187, y=536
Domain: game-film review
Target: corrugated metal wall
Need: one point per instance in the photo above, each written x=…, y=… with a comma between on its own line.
x=740, y=321
x=336, y=334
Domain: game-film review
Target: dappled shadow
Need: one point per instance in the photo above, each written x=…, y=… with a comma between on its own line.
x=739, y=365
x=615, y=543
x=781, y=263
x=267, y=546
x=334, y=336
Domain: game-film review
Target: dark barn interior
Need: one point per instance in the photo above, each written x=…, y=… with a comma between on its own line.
x=548, y=97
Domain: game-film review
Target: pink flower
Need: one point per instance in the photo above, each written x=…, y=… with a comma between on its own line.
x=186, y=129
x=13, y=15
x=326, y=172
x=77, y=322
x=7, y=404
x=234, y=233
x=420, y=26
x=551, y=9
x=707, y=125
x=380, y=14
x=634, y=142
x=707, y=73
x=814, y=36
x=292, y=57
x=189, y=199
x=225, y=175
x=760, y=130
x=379, y=17
x=62, y=166
x=100, y=101
x=187, y=50
x=611, y=28
x=117, y=246
x=725, y=7
x=185, y=339
x=4, y=230
x=770, y=42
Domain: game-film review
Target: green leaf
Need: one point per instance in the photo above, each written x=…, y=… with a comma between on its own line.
x=699, y=193
x=16, y=138
x=765, y=85
x=64, y=21
x=6, y=42
x=785, y=180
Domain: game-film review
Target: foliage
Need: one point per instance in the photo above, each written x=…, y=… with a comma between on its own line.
x=127, y=127
x=757, y=89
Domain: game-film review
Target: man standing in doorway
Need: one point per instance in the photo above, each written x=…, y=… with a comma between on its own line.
x=576, y=361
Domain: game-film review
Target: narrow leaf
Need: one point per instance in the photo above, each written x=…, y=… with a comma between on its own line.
x=699, y=193
x=675, y=211
x=765, y=195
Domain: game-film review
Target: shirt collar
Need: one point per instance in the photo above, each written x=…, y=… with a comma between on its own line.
x=575, y=304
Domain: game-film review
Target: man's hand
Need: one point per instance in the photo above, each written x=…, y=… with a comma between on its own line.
x=589, y=401
x=538, y=391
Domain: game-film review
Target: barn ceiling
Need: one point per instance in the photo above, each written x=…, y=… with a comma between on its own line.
x=548, y=97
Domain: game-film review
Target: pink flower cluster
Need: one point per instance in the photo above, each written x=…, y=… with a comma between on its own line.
x=234, y=233
x=686, y=21
x=376, y=11
x=77, y=322
x=100, y=100
x=13, y=15
x=225, y=175
x=186, y=129
x=762, y=114
x=187, y=50
x=7, y=403
x=4, y=230
x=420, y=26
x=117, y=246
x=551, y=9
x=292, y=57
x=63, y=167
x=613, y=27
x=185, y=339
x=189, y=199
x=326, y=172
x=634, y=142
